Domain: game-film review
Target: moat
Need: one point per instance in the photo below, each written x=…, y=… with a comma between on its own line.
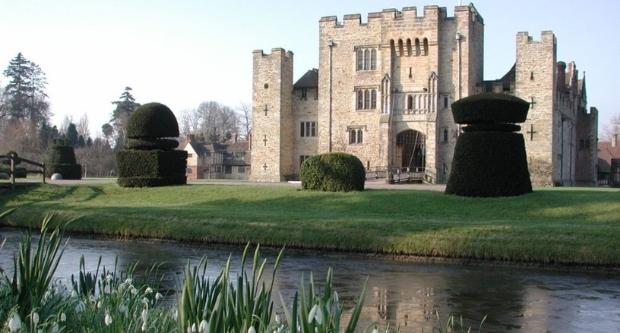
x=401, y=293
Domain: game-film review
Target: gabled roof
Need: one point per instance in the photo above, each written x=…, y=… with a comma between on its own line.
x=308, y=80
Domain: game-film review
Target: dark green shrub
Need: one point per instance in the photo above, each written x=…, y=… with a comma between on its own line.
x=140, y=168
x=152, y=120
x=489, y=159
x=61, y=159
x=333, y=172
x=484, y=167
x=146, y=144
x=488, y=108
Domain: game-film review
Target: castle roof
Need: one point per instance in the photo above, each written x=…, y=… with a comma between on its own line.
x=308, y=80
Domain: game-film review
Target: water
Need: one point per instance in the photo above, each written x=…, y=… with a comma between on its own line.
x=401, y=293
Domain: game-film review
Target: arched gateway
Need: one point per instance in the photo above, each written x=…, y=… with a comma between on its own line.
x=411, y=150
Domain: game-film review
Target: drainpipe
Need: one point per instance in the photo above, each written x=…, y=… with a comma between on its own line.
x=459, y=38
x=330, y=44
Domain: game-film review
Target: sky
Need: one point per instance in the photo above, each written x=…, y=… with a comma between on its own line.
x=183, y=52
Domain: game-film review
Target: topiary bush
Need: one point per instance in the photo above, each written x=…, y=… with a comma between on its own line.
x=489, y=158
x=61, y=159
x=149, y=158
x=333, y=172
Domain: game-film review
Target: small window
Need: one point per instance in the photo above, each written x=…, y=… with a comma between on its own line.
x=373, y=99
x=445, y=102
x=302, y=159
x=366, y=99
x=409, y=102
x=307, y=129
x=266, y=86
x=360, y=99
x=304, y=93
x=356, y=136
x=373, y=59
x=444, y=137
x=366, y=60
x=228, y=169
x=360, y=59
x=189, y=155
x=241, y=169
x=532, y=76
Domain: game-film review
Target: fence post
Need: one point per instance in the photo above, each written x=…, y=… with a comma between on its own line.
x=12, y=173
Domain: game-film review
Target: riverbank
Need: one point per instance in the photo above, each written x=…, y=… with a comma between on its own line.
x=559, y=226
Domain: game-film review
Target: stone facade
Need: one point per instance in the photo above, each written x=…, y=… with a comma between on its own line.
x=384, y=89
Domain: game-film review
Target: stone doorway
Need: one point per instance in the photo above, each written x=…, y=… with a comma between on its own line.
x=410, y=150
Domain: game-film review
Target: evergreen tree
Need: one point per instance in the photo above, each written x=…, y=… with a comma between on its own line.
x=24, y=96
x=81, y=143
x=72, y=135
x=89, y=142
x=125, y=106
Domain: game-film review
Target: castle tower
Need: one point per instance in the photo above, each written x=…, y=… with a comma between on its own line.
x=535, y=82
x=272, y=134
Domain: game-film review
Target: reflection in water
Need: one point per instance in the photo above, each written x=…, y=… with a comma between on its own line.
x=407, y=295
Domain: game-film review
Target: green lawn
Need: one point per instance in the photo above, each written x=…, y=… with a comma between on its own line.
x=579, y=226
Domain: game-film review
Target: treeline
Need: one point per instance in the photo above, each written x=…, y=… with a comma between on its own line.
x=25, y=122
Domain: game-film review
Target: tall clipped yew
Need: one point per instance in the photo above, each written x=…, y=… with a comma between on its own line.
x=333, y=172
x=61, y=159
x=149, y=158
x=489, y=157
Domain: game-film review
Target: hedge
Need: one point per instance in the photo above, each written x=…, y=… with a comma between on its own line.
x=60, y=154
x=138, y=168
x=333, y=172
x=488, y=108
x=489, y=167
x=68, y=171
x=152, y=120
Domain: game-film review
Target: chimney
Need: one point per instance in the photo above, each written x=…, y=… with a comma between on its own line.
x=614, y=140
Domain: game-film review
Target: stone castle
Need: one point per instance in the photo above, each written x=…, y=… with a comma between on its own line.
x=383, y=92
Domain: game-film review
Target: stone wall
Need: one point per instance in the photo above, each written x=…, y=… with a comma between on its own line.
x=535, y=78
x=304, y=110
x=272, y=136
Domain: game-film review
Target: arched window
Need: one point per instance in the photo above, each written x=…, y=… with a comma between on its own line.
x=445, y=135
x=373, y=59
x=409, y=102
x=366, y=99
x=425, y=52
x=408, y=47
x=373, y=99
x=366, y=59
x=360, y=99
x=417, y=47
x=400, y=47
x=360, y=136
x=360, y=59
x=392, y=46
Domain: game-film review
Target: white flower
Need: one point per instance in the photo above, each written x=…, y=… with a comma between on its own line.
x=106, y=289
x=15, y=323
x=375, y=330
x=123, y=309
x=203, y=327
x=148, y=290
x=35, y=318
x=144, y=327
x=192, y=329
x=99, y=304
x=108, y=319
x=55, y=328
x=277, y=319
x=63, y=317
x=74, y=294
x=315, y=314
x=145, y=301
x=128, y=280
x=175, y=314
x=158, y=296
x=80, y=307
x=108, y=277
x=251, y=329
x=144, y=315
x=133, y=290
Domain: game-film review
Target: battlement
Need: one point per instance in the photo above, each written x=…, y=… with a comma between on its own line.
x=276, y=51
x=432, y=12
x=523, y=37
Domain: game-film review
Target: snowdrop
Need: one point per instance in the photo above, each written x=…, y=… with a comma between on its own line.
x=108, y=319
x=15, y=323
x=63, y=317
x=315, y=314
x=35, y=318
x=251, y=329
x=158, y=296
x=203, y=327
x=149, y=290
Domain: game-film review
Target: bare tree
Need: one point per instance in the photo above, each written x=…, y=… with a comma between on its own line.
x=82, y=126
x=612, y=128
x=212, y=121
x=245, y=110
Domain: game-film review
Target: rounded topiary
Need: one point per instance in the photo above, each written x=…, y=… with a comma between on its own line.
x=490, y=108
x=149, y=158
x=333, y=172
x=489, y=158
x=152, y=120
x=61, y=159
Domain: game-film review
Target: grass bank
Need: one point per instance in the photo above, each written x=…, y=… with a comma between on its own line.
x=566, y=226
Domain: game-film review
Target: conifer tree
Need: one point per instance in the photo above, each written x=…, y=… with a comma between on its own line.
x=24, y=96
